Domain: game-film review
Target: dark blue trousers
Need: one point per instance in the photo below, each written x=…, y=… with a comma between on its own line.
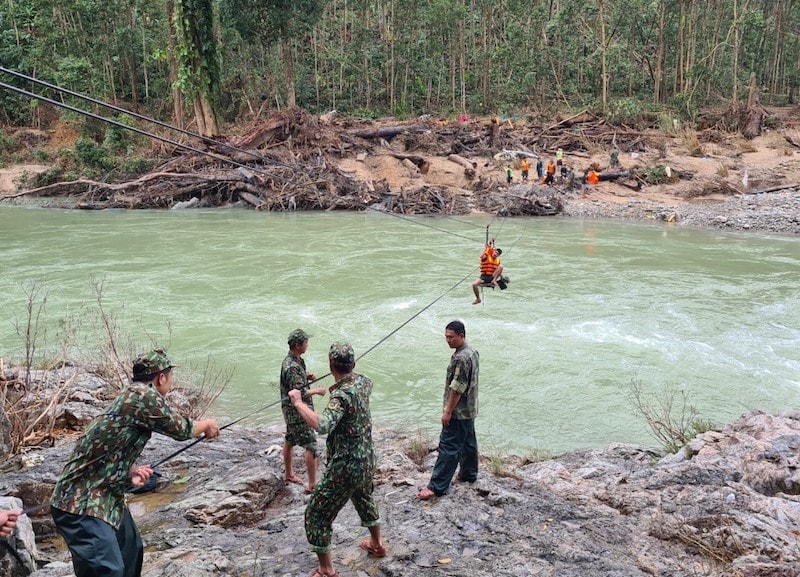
x=99, y=550
x=458, y=447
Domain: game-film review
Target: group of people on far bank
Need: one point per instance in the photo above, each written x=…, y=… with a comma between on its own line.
x=88, y=503
x=555, y=168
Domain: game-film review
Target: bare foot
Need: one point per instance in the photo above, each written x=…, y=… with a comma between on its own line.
x=425, y=494
x=476, y=302
x=293, y=479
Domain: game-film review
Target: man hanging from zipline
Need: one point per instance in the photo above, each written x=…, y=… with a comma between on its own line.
x=491, y=271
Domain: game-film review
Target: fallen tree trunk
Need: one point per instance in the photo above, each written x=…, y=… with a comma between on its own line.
x=774, y=189
x=386, y=133
x=469, y=167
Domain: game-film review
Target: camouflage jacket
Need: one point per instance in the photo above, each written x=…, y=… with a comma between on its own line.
x=462, y=377
x=348, y=423
x=293, y=376
x=94, y=480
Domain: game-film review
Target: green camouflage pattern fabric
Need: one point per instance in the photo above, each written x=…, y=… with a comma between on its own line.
x=351, y=462
x=294, y=376
x=341, y=352
x=462, y=377
x=298, y=336
x=94, y=480
x=150, y=363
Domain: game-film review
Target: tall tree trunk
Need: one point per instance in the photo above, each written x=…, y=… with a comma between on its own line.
x=285, y=48
x=172, y=47
x=735, y=71
x=603, y=53
x=660, y=52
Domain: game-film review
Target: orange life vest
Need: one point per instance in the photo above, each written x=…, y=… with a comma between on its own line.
x=593, y=177
x=489, y=262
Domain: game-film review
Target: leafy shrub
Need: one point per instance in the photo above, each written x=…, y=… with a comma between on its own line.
x=39, y=155
x=136, y=165
x=91, y=154
x=626, y=111
x=118, y=140
x=51, y=175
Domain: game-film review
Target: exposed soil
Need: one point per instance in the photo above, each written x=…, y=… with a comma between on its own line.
x=716, y=178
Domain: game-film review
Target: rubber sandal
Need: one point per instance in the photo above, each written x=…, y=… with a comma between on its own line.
x=379, y=551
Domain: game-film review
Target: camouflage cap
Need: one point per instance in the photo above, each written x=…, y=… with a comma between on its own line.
x=150, y=363
x=342, y=352
x=298, y=336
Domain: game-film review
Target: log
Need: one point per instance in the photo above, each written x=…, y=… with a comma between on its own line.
x=412, y=168
x=469, y=167
x=250, y=198
x=610, y=176
x=386, y=133
x=417, y=160
x=463, y=162
x=774, y=188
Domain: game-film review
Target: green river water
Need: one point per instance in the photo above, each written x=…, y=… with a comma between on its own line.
x=592, y=307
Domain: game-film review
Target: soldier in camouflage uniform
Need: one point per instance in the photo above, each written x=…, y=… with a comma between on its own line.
x=294, y=377
x=458, y=446
x=88, y=502
x=351, y=459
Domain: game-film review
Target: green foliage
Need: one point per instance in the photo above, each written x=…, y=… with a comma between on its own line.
x=655, y=174
x=51, y=175
x=39, y=155
x=8, y=144
x=117, y=139
x=135, y=165
x=92, y=154
x=400, y=57
x=684, y=106
x=625, y=111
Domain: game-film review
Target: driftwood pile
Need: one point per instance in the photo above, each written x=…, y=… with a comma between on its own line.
x=288, y=162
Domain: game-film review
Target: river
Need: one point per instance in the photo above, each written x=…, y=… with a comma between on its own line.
x=592, y=307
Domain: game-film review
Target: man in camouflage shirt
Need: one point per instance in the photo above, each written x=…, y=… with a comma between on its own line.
x=88, y=502
x=458, y=446
x=351, y=459
x=294, y=377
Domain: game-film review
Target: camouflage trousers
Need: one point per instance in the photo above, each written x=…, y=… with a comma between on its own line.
x=338, y=485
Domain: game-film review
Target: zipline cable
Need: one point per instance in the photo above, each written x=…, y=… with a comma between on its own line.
x=130, y=113
x=362, y=355
x=140, y=131
x=202, y=437
x=401, y=217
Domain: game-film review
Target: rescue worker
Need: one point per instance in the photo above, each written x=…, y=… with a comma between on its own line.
x=351, y=460
x=491, y=269
x=88, y=502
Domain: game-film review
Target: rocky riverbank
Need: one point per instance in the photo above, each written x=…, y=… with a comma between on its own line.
x=725, y=505
x=770, y=212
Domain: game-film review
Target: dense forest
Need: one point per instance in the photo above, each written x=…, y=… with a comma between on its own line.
x=207, y=62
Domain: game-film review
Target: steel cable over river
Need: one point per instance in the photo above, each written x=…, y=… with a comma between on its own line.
x=591, y=308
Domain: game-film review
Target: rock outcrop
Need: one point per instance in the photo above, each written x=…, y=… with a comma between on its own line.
x=727, y=504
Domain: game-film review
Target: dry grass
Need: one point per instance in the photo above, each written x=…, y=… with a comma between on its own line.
x=774, y=140
x=692, y=143
x=712, y=536
x=45, y=377
x=673, y=421
x=745, y=146
x=417, y=450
